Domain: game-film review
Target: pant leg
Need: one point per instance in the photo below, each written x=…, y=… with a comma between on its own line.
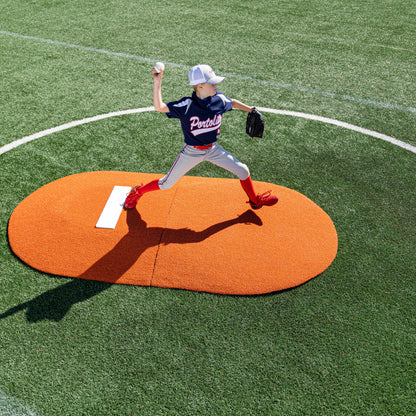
x=188, y=158
x=220, y=157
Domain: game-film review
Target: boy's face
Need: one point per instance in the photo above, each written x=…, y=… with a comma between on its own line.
x=207, y=90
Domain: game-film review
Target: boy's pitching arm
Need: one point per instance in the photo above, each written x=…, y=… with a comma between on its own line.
x=157, y=92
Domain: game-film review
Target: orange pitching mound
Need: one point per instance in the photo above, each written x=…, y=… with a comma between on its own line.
x=200, y=235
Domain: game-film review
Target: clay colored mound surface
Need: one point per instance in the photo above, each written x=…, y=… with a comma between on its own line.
x=199, y=235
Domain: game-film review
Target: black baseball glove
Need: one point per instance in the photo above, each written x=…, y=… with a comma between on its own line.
x=255, y=123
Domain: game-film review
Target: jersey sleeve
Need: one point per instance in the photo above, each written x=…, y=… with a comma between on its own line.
x=178, y=108
x=227, y=102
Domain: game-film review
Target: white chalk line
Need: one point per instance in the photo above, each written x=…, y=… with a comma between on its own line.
x=350, y=42
x=69, y=125
x=11, y=406
x=348, y=126
x=229, y=75
x=313, y=117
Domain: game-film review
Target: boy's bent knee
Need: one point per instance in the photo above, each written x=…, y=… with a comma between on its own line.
x=165, y=184
x=244, y=172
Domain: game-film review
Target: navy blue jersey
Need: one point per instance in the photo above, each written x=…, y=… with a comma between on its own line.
x=200, y=119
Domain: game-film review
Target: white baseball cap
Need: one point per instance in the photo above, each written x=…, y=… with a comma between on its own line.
x=201, y=74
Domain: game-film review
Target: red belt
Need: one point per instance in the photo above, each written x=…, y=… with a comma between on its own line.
x=208, y=146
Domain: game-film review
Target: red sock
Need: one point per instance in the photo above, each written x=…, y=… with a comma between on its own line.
x=248, y=187
x=151, y=186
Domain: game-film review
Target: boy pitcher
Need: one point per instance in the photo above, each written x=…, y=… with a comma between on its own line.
x=200, y=116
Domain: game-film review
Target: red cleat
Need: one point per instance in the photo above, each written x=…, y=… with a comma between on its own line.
x=264, y=199
x=133, y=197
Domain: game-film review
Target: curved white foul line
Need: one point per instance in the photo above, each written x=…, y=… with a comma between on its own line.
x=348, y=126
x=338, y=123
x=66, y=126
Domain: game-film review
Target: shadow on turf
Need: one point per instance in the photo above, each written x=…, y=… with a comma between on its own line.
x=55, y=303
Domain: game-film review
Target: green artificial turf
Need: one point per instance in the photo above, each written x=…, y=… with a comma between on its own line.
x=341, y=344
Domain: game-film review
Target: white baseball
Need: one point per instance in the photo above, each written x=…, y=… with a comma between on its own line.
x=159, y=67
